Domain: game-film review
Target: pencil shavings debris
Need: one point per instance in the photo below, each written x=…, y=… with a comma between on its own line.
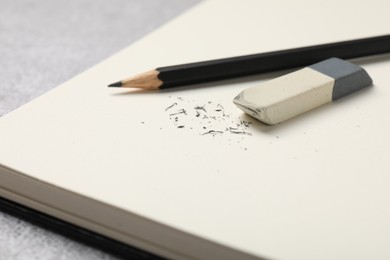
x=209, y=118
x=219, y=108
x=240, y=132
x=174, y=104
x=246, y=123
x=180, y=111
x=200, y=108
x=213, y=132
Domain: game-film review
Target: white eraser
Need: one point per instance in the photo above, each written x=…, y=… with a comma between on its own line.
x=290, y=95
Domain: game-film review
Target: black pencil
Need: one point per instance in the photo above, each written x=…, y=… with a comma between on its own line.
x=212, y=70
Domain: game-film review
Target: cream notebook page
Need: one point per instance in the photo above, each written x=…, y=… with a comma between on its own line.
x=314, y=187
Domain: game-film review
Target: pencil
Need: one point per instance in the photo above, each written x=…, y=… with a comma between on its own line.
x=226, y=68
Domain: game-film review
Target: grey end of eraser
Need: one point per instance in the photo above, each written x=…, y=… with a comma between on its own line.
x=348, y=76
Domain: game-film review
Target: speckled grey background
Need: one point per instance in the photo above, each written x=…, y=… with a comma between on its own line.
x=44, y=43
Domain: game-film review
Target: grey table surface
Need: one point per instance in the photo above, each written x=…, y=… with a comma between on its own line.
x=44, y=43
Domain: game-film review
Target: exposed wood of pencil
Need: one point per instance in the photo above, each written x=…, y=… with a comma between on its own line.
x=146, y=80
x=212, y=70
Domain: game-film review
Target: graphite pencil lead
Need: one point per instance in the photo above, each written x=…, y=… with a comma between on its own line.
x=116, y=84
x=146, y=80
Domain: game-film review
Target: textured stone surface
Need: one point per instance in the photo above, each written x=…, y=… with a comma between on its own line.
x=44, y=43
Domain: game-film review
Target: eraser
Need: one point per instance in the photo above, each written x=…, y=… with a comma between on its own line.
x=295, y=93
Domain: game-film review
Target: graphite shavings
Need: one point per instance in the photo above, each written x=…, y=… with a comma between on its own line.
x=174, y=104
x=208, y=118
x=213, y=132
x=180, y=111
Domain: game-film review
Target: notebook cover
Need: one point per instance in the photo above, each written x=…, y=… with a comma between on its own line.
x=82, y=235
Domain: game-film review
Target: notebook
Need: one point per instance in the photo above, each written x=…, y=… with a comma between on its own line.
x=184, y=174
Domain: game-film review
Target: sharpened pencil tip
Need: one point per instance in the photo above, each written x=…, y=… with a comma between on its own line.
x=116, y=84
